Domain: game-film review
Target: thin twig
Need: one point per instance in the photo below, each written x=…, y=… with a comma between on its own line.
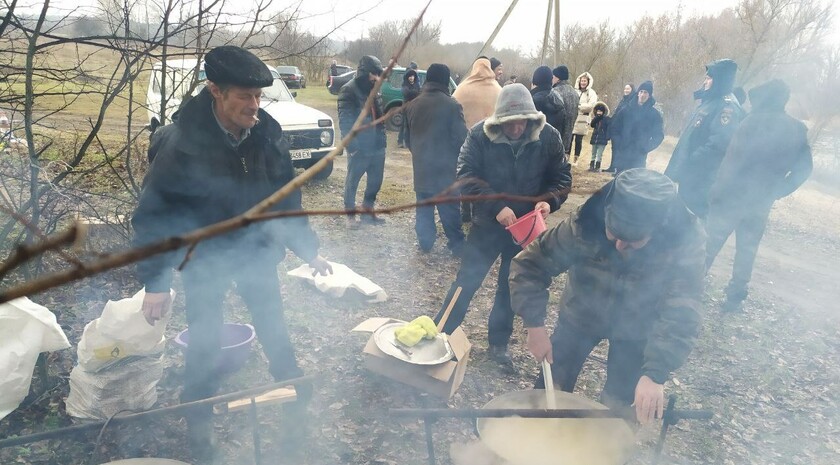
x=28, y=225
x=25, y=252
x=241, y=221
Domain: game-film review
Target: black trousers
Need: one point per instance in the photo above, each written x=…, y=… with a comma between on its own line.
x=424, y=222
x=485, y=243
x=749, y=225
x=205, y=286
x=578, y=142
x=357, y=166
x=571, y=346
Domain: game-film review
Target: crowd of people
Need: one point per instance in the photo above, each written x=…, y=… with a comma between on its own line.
x=635, y=252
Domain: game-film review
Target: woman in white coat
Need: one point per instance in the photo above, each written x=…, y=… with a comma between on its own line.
x=588, y=99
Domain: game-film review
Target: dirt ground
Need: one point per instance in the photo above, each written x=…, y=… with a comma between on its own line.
x=770, y=374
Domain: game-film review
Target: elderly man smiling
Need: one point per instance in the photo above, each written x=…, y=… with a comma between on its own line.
x=635, y=260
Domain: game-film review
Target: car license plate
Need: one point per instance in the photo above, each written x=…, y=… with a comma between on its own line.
x=301, y=154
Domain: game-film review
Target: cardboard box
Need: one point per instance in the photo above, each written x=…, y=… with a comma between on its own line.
x=441, y=380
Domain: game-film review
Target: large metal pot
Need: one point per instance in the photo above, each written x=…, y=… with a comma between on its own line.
x=555, y=441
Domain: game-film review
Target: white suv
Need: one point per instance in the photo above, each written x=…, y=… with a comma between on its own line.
x=310, y=132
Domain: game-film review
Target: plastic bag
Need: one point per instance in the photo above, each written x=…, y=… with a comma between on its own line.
x=342, y=279
x=26, y=330
x=121, y=332
x=128, y=385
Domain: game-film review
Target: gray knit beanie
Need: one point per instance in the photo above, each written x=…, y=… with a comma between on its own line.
x=514, y=102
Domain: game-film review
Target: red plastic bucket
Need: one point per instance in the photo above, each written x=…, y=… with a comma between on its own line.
x=527, y=228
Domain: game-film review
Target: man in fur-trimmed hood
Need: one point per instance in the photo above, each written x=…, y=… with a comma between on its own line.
x=512, y=152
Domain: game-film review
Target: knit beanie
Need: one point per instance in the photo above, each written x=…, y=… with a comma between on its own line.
x=648, y=86
x=514, y=102
x=542, y=77
x=561, y=72
x=494, y=63
x=438, y=73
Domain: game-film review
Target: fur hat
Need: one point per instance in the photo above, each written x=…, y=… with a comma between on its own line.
x=542, y=76
x=638, y=203
x=438, y=73
x=561, y=72
x=647, y=85
x=236, y=66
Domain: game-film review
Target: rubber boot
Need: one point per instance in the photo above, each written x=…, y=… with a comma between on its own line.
x=592, y=165
x=597, y=166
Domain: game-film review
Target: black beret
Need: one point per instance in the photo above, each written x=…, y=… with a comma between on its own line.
x=236, y=66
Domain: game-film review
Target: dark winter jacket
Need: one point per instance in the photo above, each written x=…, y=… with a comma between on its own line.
x=197, y=179
x=540, y=169
x=636, y=131
x=410, y=91
x=600, y=125
x=626, y=100
x=654, y=295
x=570, y=98
x=351, y=99
x=550, y=104
x=702, y=145
x=769, y=156
x=434, y=133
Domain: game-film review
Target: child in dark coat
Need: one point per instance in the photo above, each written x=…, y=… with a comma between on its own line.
x=600, y=134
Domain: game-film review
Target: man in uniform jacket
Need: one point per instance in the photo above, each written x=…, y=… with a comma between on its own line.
x=768, y=158
x=222, y=156
x=634, y=256
x=512, y=152
x=435, y=131
x=697, y=156
x=636, y=130
x=366, y=152
x=570, y=98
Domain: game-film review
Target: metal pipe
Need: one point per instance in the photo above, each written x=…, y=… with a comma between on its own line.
x=547, y=33
x=498, y=27
x=506, y=412
x=430, y=443
x=556, y=31
x=71, y=430
x=255, y=432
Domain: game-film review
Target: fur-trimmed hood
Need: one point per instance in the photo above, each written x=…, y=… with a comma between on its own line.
x=603, y=106
x=515, y=103
x=591, y=81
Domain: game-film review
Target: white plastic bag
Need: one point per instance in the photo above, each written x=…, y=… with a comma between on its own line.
x=342, y=279
x=26, y=330
x=129, y=385
x=121, y=332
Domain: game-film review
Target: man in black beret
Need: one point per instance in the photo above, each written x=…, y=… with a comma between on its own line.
x=222, y=156
x=635, y=260
x=366, y=152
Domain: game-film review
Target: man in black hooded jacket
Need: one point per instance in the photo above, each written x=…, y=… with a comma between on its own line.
x=366, y=152
x=703, y=142
x=768, y=158
x=222, y=156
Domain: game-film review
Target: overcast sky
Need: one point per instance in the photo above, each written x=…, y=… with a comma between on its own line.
x=474, y=20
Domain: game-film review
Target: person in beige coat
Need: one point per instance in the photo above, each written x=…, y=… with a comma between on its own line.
x=588, y=99
x=477, y=94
